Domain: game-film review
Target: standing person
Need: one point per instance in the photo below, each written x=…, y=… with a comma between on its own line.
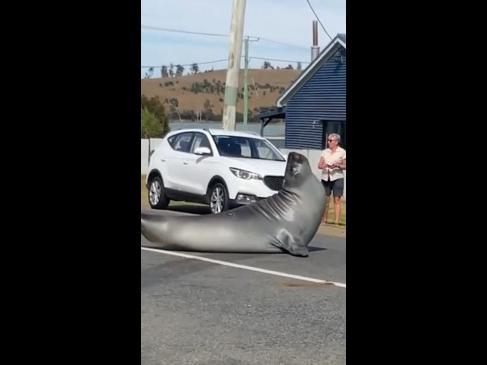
x=333, y=162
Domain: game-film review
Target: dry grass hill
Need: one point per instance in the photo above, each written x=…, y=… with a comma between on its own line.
x=205, y=91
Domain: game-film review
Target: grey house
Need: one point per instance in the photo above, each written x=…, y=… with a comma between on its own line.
x=315, y=105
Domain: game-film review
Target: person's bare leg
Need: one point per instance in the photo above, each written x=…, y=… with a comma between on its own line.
x=325, y=214
x=338, y=208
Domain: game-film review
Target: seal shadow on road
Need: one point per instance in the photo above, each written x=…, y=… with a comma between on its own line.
x=194, y=209
x=313, y=248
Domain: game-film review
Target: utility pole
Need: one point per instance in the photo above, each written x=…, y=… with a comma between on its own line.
x=231, y=85
x=246, y=91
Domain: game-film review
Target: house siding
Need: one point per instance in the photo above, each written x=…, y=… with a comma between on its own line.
x=321, y=98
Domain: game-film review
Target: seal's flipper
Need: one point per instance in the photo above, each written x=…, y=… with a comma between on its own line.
x=287, y=242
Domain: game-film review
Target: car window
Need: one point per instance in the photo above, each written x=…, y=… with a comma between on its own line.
x=264, y=150
x=247, y=147
x=181, y=142
x=228, y=146
x=200, y=140
x=246, y=151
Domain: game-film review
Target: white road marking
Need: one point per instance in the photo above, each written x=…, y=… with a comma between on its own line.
x=245, y=267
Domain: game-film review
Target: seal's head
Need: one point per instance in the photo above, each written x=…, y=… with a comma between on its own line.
x=297, y=170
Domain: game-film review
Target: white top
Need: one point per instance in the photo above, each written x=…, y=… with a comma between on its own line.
x=331, y=158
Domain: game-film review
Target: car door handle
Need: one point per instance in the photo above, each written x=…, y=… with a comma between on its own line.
x=163, y=160
x=185, y=163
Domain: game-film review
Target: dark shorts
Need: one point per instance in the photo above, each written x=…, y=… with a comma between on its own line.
x=336, y=186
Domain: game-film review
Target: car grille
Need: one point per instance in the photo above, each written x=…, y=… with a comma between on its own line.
x=274, y=182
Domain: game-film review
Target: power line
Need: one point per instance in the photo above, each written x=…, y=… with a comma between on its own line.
x=319, y=20
x=275, y=59
x=183, y=31
x=203, y=63
x=189, y=64
x=214, y=34
x=279, y=42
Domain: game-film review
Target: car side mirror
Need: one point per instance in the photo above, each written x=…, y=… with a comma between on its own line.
x=202, y=151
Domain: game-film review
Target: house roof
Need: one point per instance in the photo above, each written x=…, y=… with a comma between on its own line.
x=274, y=113
x=339, y=40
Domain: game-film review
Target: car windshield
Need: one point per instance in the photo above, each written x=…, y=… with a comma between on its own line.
x=246, y=147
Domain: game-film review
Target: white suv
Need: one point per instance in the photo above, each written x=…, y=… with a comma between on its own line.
x=217, y=167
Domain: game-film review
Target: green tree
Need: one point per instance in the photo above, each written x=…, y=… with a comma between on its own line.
x=174, y=101
x=195, y=68
x=149, y=72
x=179, y=70
x=164, y=72
x=156, y=108
x=173, y=107
x=150, y=126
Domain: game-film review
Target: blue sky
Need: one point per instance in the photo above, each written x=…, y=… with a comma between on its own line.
x=283, y=21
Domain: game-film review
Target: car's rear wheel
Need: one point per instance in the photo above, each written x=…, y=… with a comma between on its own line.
x=156, y=195
x=218, y=197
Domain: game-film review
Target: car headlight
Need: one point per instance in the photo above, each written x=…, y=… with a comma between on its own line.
x=246, y=175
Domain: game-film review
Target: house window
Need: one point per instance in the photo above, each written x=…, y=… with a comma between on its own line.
x=338, y=127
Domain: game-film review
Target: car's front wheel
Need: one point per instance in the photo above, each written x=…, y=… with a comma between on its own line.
x=156, y=195
x=218, y=197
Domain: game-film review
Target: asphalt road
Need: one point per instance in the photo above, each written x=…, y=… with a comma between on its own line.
x=196, y=312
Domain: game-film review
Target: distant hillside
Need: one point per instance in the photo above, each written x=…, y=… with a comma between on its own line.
x=204, y=92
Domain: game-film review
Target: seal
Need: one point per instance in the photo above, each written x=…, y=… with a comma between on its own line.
x=284, y=222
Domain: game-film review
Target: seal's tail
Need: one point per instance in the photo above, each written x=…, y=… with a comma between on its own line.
x=150, y=227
